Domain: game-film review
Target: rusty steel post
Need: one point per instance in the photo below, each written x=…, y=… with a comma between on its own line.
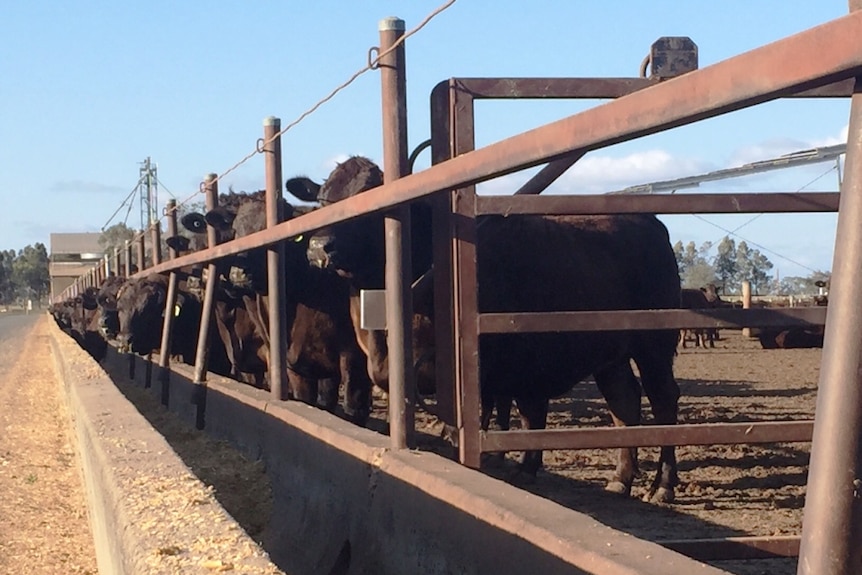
x=465, y=288
x=746, y=304
x=142, y=252
x=156, y=231
x=399, y=298
x=831, y=541
x=275, y=260
x=170, y=306
x=202, y=352
x=441, y=205
x=127, y=260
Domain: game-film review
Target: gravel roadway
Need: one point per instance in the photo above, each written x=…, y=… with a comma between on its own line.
x=44, y=526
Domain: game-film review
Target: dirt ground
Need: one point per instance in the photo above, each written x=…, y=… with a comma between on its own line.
x=725, y=490
x=44, y=526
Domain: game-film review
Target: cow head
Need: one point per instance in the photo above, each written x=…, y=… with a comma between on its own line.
x=109, y=321
x=140, y=306
x=354, y=248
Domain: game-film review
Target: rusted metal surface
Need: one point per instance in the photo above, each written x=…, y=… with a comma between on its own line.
x=766, y=547
x=142, y=253
x=441, y=206
x=547, y=175
x=543, y=322
x=275, y=261
x=465, y=304
x=671, y=56
x=649, y=435
x=127, y=260
x=752, y=78
x=164, y=375
x=832, y=525
x=399, y=299
x=156, y=243
x=207, y=308
x=721, y=203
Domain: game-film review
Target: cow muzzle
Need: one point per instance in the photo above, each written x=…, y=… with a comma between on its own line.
x=321, y=251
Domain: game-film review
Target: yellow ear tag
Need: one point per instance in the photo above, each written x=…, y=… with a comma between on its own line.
x=298, y=238
x=176, y=311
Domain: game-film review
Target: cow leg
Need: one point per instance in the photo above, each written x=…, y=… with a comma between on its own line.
x=327, y=393
x=619, y=386
x=501, y=407
x=656, y=371
x=357, y=386
x=534, y=415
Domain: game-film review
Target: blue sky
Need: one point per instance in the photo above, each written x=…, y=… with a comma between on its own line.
x=91, y=88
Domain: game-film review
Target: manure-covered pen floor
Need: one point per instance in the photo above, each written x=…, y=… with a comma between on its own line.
x=725, y=490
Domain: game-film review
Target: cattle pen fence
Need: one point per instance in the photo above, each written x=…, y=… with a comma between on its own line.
x=824, y=61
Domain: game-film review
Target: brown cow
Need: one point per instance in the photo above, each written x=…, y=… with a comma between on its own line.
x=696, y=299
x=535, y=264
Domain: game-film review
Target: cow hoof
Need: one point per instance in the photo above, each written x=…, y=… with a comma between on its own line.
x=660, y=495
x=618, y=487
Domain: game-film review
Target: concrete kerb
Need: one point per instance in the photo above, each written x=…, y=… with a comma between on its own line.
x=137, y=487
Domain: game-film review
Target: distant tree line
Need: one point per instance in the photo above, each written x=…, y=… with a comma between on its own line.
x=730, y=264
x=24, y=274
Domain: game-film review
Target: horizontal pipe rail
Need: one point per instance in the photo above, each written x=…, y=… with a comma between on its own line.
x=726, y=203
x=648, y=436
x=596, y=88
x=544, y=322
x=751, y=78
x=730, y=548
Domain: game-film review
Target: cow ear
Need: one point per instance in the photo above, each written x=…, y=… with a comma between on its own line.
x=194, y=222
x=302, y=188
x=178, y=243
x=220, y=218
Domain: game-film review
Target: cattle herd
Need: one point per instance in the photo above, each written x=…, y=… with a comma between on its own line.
x=524, y=263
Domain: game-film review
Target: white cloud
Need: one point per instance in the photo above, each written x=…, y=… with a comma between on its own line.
x=84, y=187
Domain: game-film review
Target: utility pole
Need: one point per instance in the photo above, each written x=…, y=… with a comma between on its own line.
x=148, y=190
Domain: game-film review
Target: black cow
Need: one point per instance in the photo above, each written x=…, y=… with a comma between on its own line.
x=535, y=264
x=322, y=350
x=83, y=323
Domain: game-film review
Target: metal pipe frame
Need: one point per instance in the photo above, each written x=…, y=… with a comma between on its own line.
x=127, y=260
x=156, y=231
x=754, y=77
x=275, y=261
x=142, y=254
x=832, y=519
x=399, y=298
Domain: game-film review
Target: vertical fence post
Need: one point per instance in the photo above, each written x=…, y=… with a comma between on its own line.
x=832, y=520
x=202, y=351
x=275, y=260
x=746, y=304
x=465, y=285
x=128, y=259
x=441, y=205
x=164, y=376
x=399, y=299
x=142, y=252
x=156, y=231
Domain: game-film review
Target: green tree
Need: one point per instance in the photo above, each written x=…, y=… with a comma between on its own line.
x=30, y=272
x=115, y=237
x=725, y=264
x=694, y=267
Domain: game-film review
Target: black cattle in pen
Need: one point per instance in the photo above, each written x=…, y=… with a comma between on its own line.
x=321, y=352
x=536, y=264
x=80, y=316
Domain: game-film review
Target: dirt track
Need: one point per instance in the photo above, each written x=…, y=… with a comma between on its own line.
x=44, y=526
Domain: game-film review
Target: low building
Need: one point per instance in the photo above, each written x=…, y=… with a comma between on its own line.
x=71, y=256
